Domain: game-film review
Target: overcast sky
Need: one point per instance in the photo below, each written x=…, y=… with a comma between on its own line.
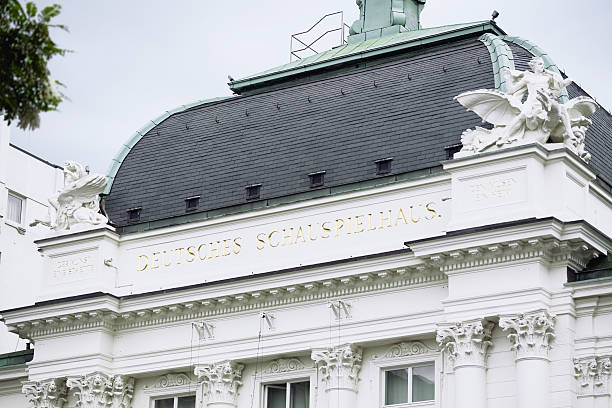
x=135, y=59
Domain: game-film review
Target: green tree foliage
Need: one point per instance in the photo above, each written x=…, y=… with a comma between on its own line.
x=26, y=47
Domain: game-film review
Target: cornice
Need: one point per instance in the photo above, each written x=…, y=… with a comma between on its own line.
x=108, y=317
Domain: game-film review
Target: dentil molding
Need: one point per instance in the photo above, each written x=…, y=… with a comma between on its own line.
x=220, y=382
x=531, y=334
x=46, y=394
x=466, y=343
x=593, y=375
x=339, y=366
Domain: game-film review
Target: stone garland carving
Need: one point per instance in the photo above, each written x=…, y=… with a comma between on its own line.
x=530, y=334
x=592, y=374
x=283, y=365
x=339, y=366
x=466, y=343
x=45, y=394
x=528, y=112
x=97, y=390
x=77, y=204
x=220, y=382
x=407, y=349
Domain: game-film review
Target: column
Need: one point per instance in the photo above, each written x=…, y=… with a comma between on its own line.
x=530, y=336
x=46, y=394
x=339, y=368
x=467, y=344
x=593, y=376
x=219, y=383
x=100, y=390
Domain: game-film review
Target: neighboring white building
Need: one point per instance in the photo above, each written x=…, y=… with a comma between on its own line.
x=335, y=237
x=26, y=182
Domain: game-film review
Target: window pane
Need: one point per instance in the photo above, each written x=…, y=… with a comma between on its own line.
x=396, y=386
x=276, y=396
x=14, y=208
x=423, y=380
x=164, y=403
x=186, y=402
x=300, y=394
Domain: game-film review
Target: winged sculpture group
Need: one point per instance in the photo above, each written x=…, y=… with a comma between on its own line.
x=529, y=111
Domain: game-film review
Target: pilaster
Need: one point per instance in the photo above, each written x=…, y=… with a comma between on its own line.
x=593, y=375
x=50, y=393
x=99, y=390
x=220, y=383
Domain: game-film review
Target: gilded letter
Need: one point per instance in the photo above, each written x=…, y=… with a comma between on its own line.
x=432, y=210
x=370, y=223
x=359, y=223
x=225, y=247
x=310, y=233
x=339, y=225
x=285, y=236
x=192, y=252
x=270, y=239
x=300, y=233
x=237, y=245
x=140, y=267
x=155, y=260
x=212, y=249
x=200, y=252
x=261, y=243
x=179, y=254
x=383, y=218
x=326, y=229
x=411, y=218
x=400, y=217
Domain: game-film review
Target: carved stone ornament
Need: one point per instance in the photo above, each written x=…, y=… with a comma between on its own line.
x=529, y=112
x=99, y=390
x=592, y=374
x=406, y=349
x=339, y=366
x=220, y=382
x=466, y=343
x=76, y=206
x=172, y=380
x=283, y=365
x=45, y=394
x=530, y=334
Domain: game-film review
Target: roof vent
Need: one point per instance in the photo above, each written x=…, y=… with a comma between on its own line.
x=383, y=166
x=317, y=179
x=253, y=192
x=378, y=18
x=192, y=203
x=134, y=214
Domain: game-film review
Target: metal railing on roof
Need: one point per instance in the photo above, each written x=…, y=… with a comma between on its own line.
x=308, y=46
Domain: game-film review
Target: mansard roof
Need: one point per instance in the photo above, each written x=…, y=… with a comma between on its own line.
x=339, y=119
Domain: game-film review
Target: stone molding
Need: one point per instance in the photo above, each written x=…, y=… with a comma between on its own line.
x=235, y=303
x=576, y=253
x=172, y=380
x=531, y=334
x=407, y=349
x=220, y=382
x=98, y=390
x=467, y=343
x=339, y=366
x=593, y=375
x=284, y=365
x=46, y=394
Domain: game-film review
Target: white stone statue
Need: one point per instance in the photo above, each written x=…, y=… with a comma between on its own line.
x=528, y=112
x=76, y=205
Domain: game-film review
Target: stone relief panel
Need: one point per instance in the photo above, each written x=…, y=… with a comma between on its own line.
x=593, y=375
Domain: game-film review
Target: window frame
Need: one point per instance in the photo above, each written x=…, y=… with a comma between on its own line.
x=308, y=373
x=386, y=364
x=287, y=388
x=23, y=209
x=175, y=397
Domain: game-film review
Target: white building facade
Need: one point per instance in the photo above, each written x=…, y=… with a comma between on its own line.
x=480, y=281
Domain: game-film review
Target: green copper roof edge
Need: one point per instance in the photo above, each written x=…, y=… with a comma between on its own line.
x=538, y=52
x=284, y=200
x=501, y=57
x=135, y=138
x=477, y=27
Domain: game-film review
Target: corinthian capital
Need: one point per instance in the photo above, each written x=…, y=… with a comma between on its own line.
x=45, y=394
x=466, y=343
x=99, y=390
x=220, y=382
x=592, y=374
x=339, y=366
x=530, y=333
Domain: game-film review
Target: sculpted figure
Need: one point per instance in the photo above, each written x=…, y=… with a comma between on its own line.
x=77, y=203
x=529, y=111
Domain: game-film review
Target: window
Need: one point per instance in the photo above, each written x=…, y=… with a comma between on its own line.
x=176, y=402
x=383, y=166
x=15, y=208
x=317, y=179
x=410, y=385
x=134, y=214
x=252, y=192
x=191, y=203
x=287, y=395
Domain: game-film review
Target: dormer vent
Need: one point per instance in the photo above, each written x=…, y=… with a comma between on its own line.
x=253, y=192
x=317, y=179
x=192, y=203
x=134, y=214
x=383, y=166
